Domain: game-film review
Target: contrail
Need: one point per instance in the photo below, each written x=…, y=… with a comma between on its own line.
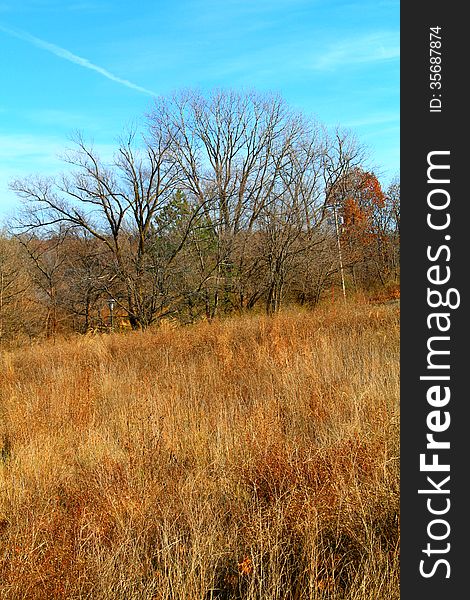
x=66, y=55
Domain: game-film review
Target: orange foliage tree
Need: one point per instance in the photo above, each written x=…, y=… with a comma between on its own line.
x=363, y=199
x=366, y=232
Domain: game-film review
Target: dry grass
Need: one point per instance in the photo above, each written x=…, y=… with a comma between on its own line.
x=254, y=458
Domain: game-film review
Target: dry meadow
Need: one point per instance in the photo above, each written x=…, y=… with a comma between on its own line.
x=248, y=458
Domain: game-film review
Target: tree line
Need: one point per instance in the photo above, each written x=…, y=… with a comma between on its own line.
x=227, y=202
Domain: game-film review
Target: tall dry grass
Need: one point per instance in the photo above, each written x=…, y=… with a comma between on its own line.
x=253, y=458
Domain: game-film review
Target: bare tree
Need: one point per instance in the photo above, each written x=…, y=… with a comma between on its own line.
x=227, y=203
x=294, y=222
x=116, y=204
x=227, y=147
x=14, y=286
x=47, y=259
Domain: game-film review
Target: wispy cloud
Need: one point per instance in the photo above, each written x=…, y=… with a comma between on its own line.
x=25, y=155
x=67, y=55
x=374, y=119
x=20, y=156
x=367, y=49
x=87, y=7
x=21, y=150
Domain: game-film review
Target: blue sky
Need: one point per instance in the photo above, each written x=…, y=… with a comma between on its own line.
x=93, y=66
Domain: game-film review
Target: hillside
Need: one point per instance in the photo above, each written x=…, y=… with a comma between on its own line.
x=251, y=458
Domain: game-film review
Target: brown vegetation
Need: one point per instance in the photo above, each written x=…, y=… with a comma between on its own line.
x=251, y=458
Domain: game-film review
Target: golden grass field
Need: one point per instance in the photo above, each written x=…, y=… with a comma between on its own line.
x=248, y=458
